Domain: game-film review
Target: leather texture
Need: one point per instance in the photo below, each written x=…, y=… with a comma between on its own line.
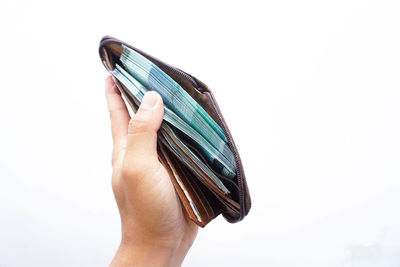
x=189, y=186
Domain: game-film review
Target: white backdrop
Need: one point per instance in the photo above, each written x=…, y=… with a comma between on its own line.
x=311, y=92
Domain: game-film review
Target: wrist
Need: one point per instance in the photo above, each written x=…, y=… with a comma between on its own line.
x=143, y=255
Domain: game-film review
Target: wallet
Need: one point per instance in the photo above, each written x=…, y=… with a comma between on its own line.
x=200, y=199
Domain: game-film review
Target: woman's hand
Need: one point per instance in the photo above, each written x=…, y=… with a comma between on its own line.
x=155, y=228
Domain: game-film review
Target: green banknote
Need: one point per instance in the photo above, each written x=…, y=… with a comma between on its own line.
x=179, y=101
x=140, y=75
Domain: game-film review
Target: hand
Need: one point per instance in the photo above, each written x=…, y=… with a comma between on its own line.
x=155, y=229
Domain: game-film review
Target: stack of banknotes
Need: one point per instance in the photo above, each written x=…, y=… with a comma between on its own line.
x=182, y=112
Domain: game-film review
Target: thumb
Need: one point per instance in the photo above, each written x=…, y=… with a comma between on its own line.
x=142, y=131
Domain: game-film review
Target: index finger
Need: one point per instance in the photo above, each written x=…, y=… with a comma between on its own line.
x=119, y=114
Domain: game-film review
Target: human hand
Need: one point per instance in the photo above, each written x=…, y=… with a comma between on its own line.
x=156, y=231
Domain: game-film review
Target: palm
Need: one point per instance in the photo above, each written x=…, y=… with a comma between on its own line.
x=152, y=190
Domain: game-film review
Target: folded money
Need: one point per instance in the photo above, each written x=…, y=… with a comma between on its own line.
x=139, y=90
x=195, y=144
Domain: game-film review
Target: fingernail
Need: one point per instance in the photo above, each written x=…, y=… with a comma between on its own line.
x=149, y=100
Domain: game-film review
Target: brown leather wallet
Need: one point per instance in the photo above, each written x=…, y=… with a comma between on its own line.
x=201, y=202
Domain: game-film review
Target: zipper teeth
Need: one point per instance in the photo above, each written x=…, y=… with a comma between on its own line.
x=238, y=174
x=177, y=71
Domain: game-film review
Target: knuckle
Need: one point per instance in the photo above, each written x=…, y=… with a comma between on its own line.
x=115, y=111
x=132, y=170
x=117, y=153
x=137, y=168
x=139, y=124
x=114, y=159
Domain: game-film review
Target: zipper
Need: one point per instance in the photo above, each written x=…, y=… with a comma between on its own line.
x=238, y=173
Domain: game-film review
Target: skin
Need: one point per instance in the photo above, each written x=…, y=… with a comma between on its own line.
x=156, y=231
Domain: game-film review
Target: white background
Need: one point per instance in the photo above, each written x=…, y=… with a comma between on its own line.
x=311, y=92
